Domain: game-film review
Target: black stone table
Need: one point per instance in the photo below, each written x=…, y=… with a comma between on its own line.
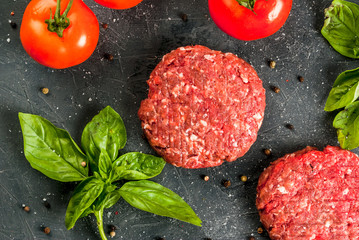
x=138, y=38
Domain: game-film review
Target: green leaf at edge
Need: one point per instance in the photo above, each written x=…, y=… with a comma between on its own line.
x=51, y=150
x=345, y=90
x=137, y=166
x=341, y=27
x=347, y=125
x=155, y=198
x=105, y=131
x=84, y=195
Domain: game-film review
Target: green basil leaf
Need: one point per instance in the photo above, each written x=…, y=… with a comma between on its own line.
x=341, y=27
x=137, y=166
x=85, y=194
x=106, y=131
x=51, y=150
x=154, y=198
x=109, y=200
x=345, y=90
x=104, y=164
x=87, y=212
x=347, y=125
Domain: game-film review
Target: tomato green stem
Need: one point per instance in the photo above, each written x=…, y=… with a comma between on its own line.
x=60, y=22
x=247, y=3
x=99, y=215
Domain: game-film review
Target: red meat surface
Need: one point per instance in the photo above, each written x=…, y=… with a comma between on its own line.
x=203, y=107
x=311, y=194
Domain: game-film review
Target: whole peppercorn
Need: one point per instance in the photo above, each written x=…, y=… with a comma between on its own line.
x=83, y=164
x=184, y=17
x=260, y=230
x=276, y=89
x=104, y=25
x=46, y=203
x=206, y=178
x=251, y=238
x=45, y=90
x=301, y=79
x=272, y=64
x=26, y=208
x=12, y=13
x=47, y=230
x=289, y=126
x=13, y=25
x=112, y=234
x=267, y=152
x=108, y=56
x=244, y=178
x=226, y=183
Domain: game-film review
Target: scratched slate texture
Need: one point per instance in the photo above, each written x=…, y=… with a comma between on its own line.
x=138, y=38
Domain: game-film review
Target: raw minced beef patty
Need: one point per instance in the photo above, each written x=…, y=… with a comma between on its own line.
x=311, y=194
x=203, y=107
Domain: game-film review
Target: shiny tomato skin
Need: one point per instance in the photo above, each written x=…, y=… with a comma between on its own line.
x=118, y=4
x=267, y=17
x=79, y=39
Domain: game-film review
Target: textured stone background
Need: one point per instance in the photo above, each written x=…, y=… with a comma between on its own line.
x=138, y=38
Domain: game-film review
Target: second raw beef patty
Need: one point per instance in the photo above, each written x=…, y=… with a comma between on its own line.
x=203, y=107
x=311, y=194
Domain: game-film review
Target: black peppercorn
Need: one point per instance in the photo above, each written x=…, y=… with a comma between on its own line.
x=226, y=183
x=13, y=25
x=108, y=56
x=289, y=126
x=184, y=17
x=47, y=204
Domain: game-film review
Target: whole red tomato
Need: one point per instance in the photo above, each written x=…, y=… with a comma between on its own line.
x=249, y=19
x=118, y=4
x=78, y=40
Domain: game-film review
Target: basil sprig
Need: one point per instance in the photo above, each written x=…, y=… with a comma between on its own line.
x=53, y=152
x=344, y=93
x=341, y=27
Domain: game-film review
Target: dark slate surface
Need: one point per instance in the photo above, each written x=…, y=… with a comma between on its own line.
x=138, y=38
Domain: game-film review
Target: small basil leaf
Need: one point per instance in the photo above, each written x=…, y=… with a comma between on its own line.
x=84, y=195
x=341, y=27
x=110, y=199
x=87, y=212
x=106, y=131
x=104, y=164
x=51, y=150
x=154, y=198
x=347, y=125
x=107, y=199
x=345, y=90
x=137, y=166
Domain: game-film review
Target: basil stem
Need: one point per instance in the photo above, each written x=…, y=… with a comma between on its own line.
x=99, y=217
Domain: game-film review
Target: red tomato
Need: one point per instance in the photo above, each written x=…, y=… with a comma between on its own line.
x=267, y=17
x=79, y=39
x=118, y=4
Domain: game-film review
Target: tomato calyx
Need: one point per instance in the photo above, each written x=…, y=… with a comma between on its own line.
x=247, y=3
x=60, y=22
